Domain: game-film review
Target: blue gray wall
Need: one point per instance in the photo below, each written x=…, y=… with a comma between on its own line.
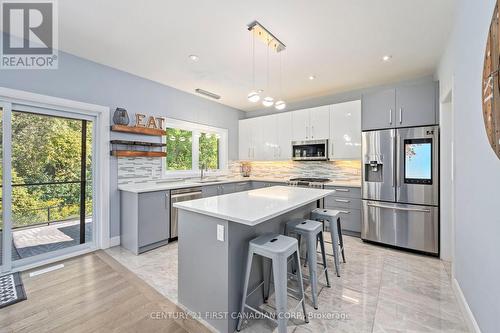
x=477, y=168
x=86, y=81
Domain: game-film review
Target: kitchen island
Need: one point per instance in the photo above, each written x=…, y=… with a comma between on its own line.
x=213, y=241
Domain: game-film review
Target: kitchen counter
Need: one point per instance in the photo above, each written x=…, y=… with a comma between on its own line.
x=170, y=185
x=255, y=206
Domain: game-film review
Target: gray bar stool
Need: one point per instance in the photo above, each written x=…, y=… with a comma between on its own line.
x=332, y=217
x=312, y=231
x=277, y=248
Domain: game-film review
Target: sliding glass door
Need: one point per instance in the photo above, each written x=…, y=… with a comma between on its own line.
x=50, y=180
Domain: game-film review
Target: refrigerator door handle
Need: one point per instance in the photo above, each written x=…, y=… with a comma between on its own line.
x=398, y=157
x=422, y=210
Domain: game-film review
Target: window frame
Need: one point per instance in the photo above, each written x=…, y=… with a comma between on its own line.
x=196, y=129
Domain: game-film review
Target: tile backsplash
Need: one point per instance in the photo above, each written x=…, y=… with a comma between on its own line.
x=142, y=169
x=338, y=170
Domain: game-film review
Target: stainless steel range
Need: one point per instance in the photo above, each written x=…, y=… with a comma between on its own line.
x=401, y=188
x=312, y=183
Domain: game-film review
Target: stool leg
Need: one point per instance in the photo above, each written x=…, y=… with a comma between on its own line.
x=280, y=288
x=301, y=288
x=323, y=255
x=313, y=268
x=341, y=240
x=245, y=289
x=266, y=272
x=335, y=245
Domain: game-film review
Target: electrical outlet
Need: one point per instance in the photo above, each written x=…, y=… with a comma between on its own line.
x=220, y=232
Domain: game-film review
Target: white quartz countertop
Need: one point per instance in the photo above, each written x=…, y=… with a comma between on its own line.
x=170, y=185
x=255, y=206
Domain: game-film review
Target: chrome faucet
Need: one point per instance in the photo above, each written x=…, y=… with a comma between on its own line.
x=203, y=168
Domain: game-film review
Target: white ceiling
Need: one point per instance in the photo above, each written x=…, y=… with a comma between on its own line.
x=341, y=42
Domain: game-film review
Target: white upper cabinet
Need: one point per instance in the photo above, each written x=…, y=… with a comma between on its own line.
x=284, y=129
x=319, y=122
x=300, y=125
x=249, y=134
x=345, y=131
x=311, y=124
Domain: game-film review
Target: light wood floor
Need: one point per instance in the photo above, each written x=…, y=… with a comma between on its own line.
x=92, y=293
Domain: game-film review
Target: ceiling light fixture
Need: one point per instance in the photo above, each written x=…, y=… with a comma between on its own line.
x=312, y=77
x=194, y=57
x=266, y=36
x=280, y=104
x=253, y=96
x=387, y=58
x=207, y=93
x=268, y=101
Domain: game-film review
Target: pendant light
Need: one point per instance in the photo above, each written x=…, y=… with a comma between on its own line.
x=280, y=104
x=253, y=96
x=268, y=101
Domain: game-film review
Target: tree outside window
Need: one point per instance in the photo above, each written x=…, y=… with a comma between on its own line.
x=209, y=151
x=179, y=149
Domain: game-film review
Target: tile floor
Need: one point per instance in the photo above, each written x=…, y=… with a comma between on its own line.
x=380, y=290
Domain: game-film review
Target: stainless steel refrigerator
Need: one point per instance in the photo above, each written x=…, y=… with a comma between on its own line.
x=401, y=188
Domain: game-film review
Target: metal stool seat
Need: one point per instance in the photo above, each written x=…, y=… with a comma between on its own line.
x=312, y=231
x=277, y=248
x=334, y=225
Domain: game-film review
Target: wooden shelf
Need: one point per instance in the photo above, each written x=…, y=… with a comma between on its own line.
x=138, y=153
x=138, y=130
x=137, y=143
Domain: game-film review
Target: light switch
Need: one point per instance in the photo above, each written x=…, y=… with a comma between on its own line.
x=220, y=232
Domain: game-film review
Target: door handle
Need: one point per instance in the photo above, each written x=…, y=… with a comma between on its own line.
x=401, y=115
x=422, y=210
x=390, y=116
x=342, y=200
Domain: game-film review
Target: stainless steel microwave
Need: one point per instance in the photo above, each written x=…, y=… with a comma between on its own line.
x=310, y=150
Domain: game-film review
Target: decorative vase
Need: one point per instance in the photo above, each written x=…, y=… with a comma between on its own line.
x=120, y=117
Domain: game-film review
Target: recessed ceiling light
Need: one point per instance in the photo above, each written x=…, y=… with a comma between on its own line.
x=312, y=77
x=387, y=58
x=194, y=57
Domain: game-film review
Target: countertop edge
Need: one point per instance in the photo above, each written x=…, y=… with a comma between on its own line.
x=167, y=186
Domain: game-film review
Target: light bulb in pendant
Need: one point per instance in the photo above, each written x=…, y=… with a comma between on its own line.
x=253, y=97
x=268, y=101
x=280, y=105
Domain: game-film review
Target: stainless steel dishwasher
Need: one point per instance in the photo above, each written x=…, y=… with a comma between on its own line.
x=183, y=194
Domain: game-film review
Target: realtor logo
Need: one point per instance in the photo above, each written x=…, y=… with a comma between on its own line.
x=29, y=38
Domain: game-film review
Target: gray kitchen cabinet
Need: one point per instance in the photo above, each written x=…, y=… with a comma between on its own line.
x=209, y=191
x=347, y=200
x=402, y=106
x=259, y=184
x=378, y=109
x=144, y=220
x=242, y=186
x=416, y=105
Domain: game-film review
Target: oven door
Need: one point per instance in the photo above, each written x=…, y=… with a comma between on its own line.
x=417, y=170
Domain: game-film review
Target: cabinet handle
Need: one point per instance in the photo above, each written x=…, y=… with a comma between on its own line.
x=342, y=200
x=331, y=153
x=279, y=151
x=307, y=132
x=312, y=132
x=400, y=115
x=344, y=212
x=248, y=152
x=342, y=189
x=421, y=210
x=390, y=116
x=167, y=201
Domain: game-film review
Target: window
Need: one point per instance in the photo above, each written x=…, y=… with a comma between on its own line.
x=191, y=147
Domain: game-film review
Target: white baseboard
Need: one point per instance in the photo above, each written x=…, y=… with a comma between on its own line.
x=114, y=241
x=464, y=306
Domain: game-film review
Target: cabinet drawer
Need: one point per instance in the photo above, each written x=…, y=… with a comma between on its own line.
x=350, y=219
x=334, y=202
x=244, y=186
x=345, y=192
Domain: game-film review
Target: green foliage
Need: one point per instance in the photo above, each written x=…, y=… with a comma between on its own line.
x=209, y=151
x=47, y=149
x=179, y=149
